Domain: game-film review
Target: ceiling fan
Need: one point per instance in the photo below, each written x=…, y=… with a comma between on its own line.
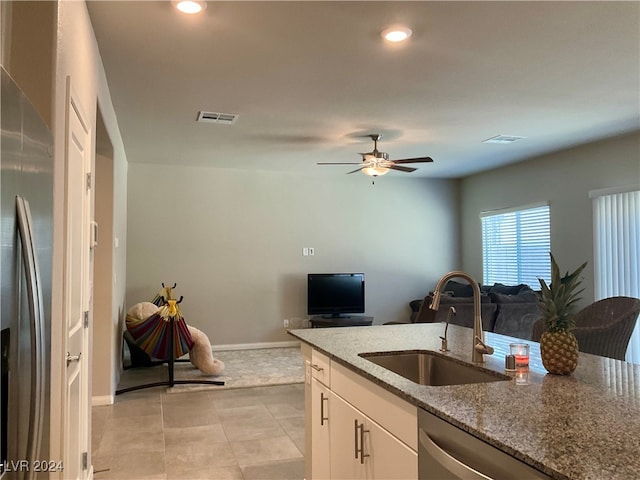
x=377, y=163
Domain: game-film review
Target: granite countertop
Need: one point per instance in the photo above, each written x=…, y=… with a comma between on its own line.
x=582, y=426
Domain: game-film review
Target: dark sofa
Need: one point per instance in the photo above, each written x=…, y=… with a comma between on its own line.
x=508, y=310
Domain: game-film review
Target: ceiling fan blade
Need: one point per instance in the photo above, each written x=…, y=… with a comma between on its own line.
x=402, y=169
x=414, y=160
x=339, y=163
x=354, y=171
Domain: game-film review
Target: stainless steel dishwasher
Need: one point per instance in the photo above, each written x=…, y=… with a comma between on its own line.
x=446, y=452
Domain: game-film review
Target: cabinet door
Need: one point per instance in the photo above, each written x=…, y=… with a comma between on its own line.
x=362, y=449
x=388, y=458
x=321, y=459
x=345, y=461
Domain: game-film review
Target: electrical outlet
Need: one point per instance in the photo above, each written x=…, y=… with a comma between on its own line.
x=305, y=251
x=286, y=323
x=312, y=251
x=295, y=322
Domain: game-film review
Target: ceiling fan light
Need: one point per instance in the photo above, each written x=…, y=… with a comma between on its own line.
x=190, y=6
x=375, y=171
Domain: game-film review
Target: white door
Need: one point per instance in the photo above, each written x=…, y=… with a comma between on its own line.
x=77, y=413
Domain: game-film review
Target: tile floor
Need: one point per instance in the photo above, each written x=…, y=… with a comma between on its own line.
x=245, y=434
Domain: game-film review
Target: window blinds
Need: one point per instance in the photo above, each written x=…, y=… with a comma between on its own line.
x=516, y=245
x=616, y=228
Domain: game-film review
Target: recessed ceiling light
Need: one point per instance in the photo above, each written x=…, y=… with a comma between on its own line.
x=190, y=6
x=396, y=34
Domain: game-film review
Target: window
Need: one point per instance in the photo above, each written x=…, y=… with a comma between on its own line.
x=516, y=245
x=616, y=238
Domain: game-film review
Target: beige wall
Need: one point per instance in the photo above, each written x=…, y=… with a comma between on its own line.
x=233, y=241
x=103, y=312
x=6, y=14
x=564, y=179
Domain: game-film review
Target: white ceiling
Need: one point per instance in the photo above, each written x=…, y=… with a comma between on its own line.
x=308, y=79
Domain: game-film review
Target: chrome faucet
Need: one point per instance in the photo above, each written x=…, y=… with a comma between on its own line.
x=478, y=347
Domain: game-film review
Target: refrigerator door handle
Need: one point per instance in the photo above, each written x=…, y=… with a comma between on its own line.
x=36, y=313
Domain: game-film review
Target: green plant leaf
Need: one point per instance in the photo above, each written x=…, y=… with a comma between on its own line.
x=559, y=298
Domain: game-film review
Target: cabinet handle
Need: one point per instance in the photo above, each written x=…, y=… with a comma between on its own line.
x=360, y=434
x=355, y=439
x=322, y=417
x=316, y=367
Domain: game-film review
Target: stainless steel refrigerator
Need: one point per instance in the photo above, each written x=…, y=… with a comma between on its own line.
x=26, y=198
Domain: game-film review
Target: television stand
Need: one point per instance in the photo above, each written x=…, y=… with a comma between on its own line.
x=351, y=321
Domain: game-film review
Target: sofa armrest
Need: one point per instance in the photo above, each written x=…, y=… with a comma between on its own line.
x=517, y=313
x=425, y=314
x=517, y=320
x=415, y=305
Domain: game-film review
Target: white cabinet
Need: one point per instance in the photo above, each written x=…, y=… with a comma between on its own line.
x=355, y=429
x=345, y=437
x=320, y=440
x=362, y=449
x=317, y=423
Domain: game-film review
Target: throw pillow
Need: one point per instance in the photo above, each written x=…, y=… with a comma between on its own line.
x=509, y=289
x=459, y=289
x=448, y=300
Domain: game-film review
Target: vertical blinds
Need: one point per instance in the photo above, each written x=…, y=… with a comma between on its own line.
x=616, y=225
x=516, y=246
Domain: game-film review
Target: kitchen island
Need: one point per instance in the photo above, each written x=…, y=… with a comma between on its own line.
x=582, y=426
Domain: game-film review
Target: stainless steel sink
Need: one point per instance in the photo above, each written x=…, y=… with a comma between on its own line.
x=430, y=368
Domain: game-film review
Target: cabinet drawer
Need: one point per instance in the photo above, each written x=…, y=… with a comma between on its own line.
x=394, y=414
x=321, y=367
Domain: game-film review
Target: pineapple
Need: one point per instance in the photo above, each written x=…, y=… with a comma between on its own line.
x=558, y=346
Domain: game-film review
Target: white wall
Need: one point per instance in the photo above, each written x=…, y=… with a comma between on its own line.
x=232, y=241
x=562, y=178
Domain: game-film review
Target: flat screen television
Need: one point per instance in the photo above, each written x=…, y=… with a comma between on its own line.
x=334, y=295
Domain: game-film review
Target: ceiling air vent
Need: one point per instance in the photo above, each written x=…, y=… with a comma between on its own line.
x=503, y=139
x=217, y=117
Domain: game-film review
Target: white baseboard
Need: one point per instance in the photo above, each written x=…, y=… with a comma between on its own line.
x=99, y=401
x=254, y=346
